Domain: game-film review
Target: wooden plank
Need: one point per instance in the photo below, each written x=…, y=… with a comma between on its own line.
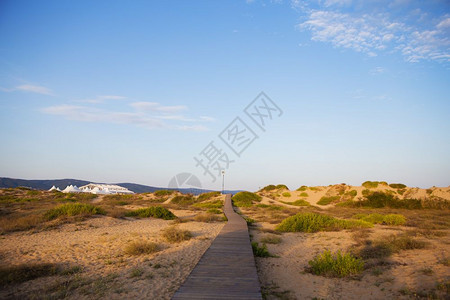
x=227, y=269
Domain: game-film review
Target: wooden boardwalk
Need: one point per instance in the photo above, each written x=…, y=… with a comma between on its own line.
x=227, y=269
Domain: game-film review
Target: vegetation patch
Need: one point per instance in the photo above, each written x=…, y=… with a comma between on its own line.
x=336, y=264
x=272, y=187
x=207, y=196
x=245, y=199
x=286, y=194
x=183, y=200
x=397, y=185
x=206, y=217
x=163, y=193
x=153, y=211
x=271, y=239
x=73, y=209
x=327, y=200
x=260, y=251
x=313, y=222
x=299, y=202
x=141, y=247
x=211, y=204
x=176, y=235
x=373, y=184
x=302, y=188
x=390, y=219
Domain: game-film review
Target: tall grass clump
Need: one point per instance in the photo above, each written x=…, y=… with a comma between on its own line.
x=299, y=202
x=313, y=222
x=141, y=247
x=153, y=211
x=373, y=184
x=73, y=209
x=176, y=235
x=390, y=219
x=390, y=244
x=22, y=273
x=245, y=199
x=286, y=194
x=302, y=188
x=327, y=200
x=211, y=204
x=336, y=264
x=260, y=251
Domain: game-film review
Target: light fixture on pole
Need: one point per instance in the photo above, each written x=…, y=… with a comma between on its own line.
x=223, y=180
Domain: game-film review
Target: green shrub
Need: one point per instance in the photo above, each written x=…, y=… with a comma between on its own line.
x=282, y=187
x=390, y=219
x=299, y=202
x=401, y=191
x=370, y=184
x=304, y=194
x=302, y=188
x=141, y=247
x=390, y=244
x=351, y=193
x=163, y=193
x=336, y=265
x=327, y=200
x=397, y=186
x=260, y=251
x=153, y=211
x=214, y=211
x=207, y=196
x=73, y=209
x=175, y=235
x=183, y=200
x=245, y=199
x=313, y=222
x=286, y=194
x=212, y=204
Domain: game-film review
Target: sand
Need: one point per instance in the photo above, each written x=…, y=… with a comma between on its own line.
x=97, y=246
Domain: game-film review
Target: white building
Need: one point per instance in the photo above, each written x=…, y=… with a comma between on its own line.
x=96, y=188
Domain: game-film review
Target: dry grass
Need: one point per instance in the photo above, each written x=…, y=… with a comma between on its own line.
x=271, y=239
x=141, y=247
x=176, y=235
x=207, y=218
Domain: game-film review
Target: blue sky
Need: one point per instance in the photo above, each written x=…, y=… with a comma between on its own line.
x=132, y=91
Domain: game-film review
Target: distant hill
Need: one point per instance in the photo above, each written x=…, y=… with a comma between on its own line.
x=63, y=183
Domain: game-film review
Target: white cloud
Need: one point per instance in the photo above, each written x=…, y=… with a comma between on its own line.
x=102, y=99
x=153, y=106
x=372, y=33
x=37, y=89
x=377, y=70
x=148, y=115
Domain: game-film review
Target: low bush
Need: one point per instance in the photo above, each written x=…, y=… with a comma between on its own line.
x=153, y=211
x=212, y=204
x=183, y=200
x=380, y=200
x=163, y=193
x=327, y=200
x=370, y=184
x=141, y=247
x=390, y=244
x=214, y=211
x=390, y=219
x=304, y=194
x=207, y=196
x=299, y=202
x=175, y=235
x=313, y=222
x=245, y=199
x=73, y=209
x=351, y=193
x=10, y=224
x=286, y=194
x=260, y=251
x=336, y=264
x=397, y=185
x=302, y=188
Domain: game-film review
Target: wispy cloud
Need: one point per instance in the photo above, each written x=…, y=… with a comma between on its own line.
x=377, y=70
x=414, y=34
x=102, y=99
x=149, y=115
x=37, y=89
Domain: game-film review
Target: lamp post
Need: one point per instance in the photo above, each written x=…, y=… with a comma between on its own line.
x=223, y=180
